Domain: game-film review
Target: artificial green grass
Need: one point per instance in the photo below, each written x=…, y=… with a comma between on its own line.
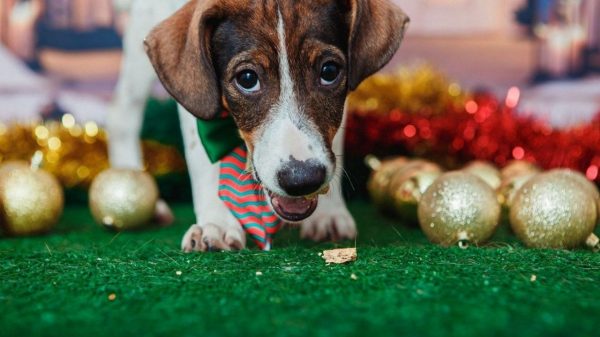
x=58, y=285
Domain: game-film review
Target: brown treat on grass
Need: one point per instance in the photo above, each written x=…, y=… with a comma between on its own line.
x=339, y=256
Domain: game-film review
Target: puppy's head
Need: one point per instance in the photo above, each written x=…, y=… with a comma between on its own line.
x=283, y=70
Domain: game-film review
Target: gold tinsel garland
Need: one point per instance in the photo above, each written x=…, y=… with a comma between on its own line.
x=421, y=90
x=76, y=153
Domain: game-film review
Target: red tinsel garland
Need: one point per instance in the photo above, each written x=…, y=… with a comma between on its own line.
x=483, y=129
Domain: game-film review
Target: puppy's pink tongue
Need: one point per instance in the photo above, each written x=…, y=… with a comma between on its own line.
x=293, y=209
x=293, y=205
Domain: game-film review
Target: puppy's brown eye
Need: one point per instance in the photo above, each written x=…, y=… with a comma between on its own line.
x=247, y=81
x=329, y=73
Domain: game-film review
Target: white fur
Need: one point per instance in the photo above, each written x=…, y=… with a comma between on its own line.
x=331, y=218
x=288, y=133
x=135, y=83
x=204, y=176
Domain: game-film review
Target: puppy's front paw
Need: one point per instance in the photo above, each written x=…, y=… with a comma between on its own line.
x=333, y=223
x=210, y=237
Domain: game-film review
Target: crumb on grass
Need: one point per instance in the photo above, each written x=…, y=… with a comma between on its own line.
x=339, y=256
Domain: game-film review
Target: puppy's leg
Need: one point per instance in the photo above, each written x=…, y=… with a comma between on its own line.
x=331, y=219
x=216, y=228
x=133, y=88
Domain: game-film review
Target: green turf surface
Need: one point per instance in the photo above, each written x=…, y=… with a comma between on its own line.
x=58, y=285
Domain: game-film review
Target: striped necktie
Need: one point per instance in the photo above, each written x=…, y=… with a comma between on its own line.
x=246, y=199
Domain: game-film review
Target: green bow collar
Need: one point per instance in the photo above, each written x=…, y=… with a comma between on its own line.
x=219, y=136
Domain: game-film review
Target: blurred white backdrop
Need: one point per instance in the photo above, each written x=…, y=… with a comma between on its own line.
x=461, y=17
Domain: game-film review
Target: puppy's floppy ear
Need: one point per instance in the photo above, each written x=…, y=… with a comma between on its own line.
x=179, y=49
x=376, y=30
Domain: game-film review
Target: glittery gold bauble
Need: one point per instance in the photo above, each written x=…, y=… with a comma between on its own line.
x=518, y=168
x=123, y=199
x=587, y=185
x=581, y=180
x=514, y=176
x=553, y=211
x=31, y=200
x=11, y=165
x=379, y=182
x=408, y=184
x=509, y=187
x=459, y=208
x=486, y=171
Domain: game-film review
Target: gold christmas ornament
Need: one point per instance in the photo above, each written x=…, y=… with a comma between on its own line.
x=379, y=182
x=123, y=199
x=510, y=186
x=583, y=182
x=408, y=184
x=459, y=208
x=31, y=199
x=514, y=176
x=11, y=165
x=518, y=168
x=553, y=210
x=486, y=171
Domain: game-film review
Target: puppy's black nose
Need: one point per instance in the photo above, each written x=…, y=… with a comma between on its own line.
x=299, y=178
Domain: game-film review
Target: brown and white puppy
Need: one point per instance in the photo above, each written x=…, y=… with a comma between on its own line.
x=282, y=68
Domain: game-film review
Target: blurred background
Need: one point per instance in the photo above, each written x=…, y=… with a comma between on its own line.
x=60, y=59
x=59, y=54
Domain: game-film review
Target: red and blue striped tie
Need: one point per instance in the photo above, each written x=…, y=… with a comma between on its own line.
x=246, y=200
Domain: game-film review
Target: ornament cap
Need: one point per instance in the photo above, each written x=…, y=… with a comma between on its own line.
x=593, y=242
x=373, y=162
x=108, y=221
x=463, y=240
x=36, y=160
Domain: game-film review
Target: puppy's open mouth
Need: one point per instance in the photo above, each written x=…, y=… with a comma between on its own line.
x=293, y=209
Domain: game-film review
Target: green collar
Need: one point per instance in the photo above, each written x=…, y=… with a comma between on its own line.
x=219, y=137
